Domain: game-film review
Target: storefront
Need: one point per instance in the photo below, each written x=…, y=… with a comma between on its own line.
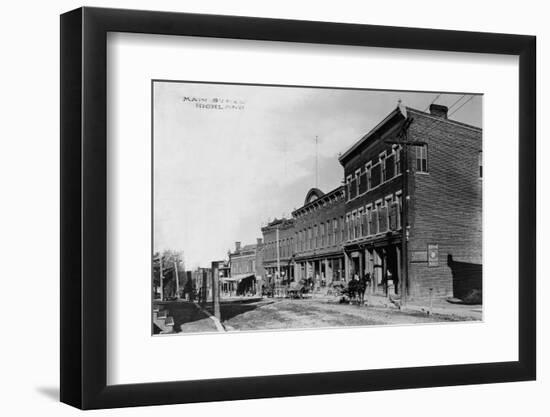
x=239, y=285
x=380, y=261
x=321, y=271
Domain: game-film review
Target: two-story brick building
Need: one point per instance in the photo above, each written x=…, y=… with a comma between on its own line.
x=319, y=236
x=278, y=255
x=420, y=173
x=246, y=268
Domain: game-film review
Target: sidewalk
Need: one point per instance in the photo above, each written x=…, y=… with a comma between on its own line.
x=443, y=307
x=189, y=317
x=439, y=306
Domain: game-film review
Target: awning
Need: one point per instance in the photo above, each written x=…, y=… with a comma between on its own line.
x=236, y=278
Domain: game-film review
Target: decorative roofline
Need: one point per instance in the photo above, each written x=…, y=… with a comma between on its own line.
x=279, y=224
x=325, y=198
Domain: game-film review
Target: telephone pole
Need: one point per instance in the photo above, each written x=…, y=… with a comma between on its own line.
x=316, y=161
x=278, y=255
x=161, y=278
x=177, y=279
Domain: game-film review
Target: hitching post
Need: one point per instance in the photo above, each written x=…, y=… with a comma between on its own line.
x=204, y=294
x=216, y=289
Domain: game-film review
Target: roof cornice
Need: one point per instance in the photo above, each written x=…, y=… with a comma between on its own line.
x=399, y=110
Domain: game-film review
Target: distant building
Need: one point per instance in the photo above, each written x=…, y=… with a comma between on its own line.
x=202, y=282
x=319, y=237
x=278, y=251
x=443, y=239
x=224, y=269
x=243, y=268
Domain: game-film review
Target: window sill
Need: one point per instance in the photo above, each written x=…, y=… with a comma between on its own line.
x=373, y=189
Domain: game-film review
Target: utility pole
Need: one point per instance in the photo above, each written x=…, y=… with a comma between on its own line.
x=177, y=279
x=161, y=278
x=404, y=280
x=278, y=255
x=405, y=226
x=216, y=289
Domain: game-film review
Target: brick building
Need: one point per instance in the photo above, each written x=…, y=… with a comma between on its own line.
x=319, y=236
x=437, y=162
x=278, y=255
x=245, y=266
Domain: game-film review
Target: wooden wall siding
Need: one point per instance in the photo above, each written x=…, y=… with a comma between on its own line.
x=446, y=208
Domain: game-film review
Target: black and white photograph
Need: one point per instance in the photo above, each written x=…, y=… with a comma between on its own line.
x=269, y=209
x=282, y=207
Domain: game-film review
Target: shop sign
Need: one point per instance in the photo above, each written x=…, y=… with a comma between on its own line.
x=433, y=255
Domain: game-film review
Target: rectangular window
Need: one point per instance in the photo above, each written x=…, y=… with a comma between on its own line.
x=362, y=222
x=380, y=217
x=397, y=160
x=342, y=229
x=388, y=204
x=348, y=187
x=315, y=234
x=376, y=175
x=383, y=166
x=353, y=188
x=368, y=220
x=390, y=167
x=363, y=182
x=368, y=175
x=358, y=181
x=335, y=230
x=421, y=158
x=399, y=200
x=374, y=221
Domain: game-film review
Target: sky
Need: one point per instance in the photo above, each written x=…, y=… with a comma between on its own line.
x=229, y=158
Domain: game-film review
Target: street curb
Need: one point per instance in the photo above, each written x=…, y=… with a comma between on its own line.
x=467, y=315
x=219, y=325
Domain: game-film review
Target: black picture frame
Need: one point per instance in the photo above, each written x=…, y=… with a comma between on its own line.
x=84, y=207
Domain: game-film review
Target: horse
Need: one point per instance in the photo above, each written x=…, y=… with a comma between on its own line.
x=361, y=288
